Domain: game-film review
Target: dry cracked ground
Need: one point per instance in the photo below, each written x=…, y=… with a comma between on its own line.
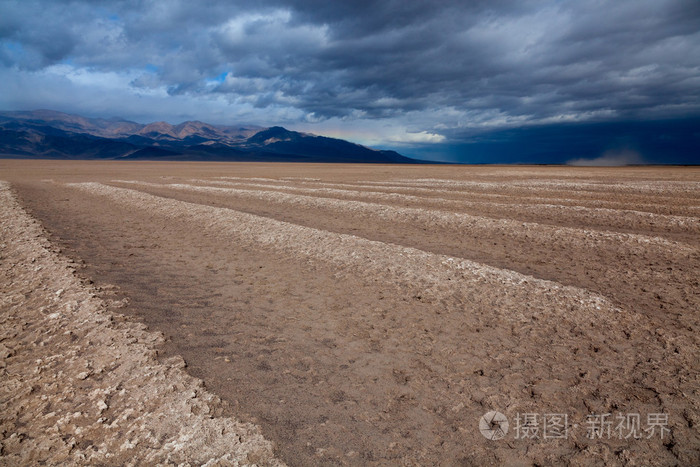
x=348, y=314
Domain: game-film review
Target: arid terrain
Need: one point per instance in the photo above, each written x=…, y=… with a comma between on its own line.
x=348, y=314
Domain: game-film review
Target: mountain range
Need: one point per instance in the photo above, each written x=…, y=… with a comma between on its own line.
x=48, y=134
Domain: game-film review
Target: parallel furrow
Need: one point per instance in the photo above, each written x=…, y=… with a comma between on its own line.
x=618, y=218
x=437, y=277
x=71, y=359
x=507, y=193
x=656, y=187
x=518, y=189
x=547, y=235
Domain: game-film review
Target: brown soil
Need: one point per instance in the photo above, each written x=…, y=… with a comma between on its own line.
x=372, y=314
x=82, y=385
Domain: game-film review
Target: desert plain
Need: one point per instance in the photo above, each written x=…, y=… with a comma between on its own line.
x=330, y=314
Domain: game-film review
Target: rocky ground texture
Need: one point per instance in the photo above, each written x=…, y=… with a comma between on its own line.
x=81, y=384
x=358, y=315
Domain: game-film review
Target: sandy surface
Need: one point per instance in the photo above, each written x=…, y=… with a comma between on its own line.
x=367, y=314
x=82, y=385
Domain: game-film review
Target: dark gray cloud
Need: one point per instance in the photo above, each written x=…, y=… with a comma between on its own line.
x=434, y=67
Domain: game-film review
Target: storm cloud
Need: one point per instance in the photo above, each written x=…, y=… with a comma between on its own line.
x=382, y=71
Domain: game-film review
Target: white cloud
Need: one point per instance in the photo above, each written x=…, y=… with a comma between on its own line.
x=416, y=137
x=385, y=72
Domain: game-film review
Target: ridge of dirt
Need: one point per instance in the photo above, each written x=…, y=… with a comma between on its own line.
x=542, y=310
x=625, y=218
x=82, y=385
x=676, y=187
x=505, y=194
x=351, y=336
x=660, y=274
x=427, y=271
x=462, y=221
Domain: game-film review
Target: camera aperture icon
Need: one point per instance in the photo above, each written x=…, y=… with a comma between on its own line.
x=493, y=425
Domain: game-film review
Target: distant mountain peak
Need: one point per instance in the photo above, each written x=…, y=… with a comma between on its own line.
x=57, y=135
x=273, y=135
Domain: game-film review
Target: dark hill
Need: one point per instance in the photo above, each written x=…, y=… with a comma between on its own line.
x=56, y=135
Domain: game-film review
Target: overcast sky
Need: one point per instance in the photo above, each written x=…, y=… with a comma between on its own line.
x=410, y=75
